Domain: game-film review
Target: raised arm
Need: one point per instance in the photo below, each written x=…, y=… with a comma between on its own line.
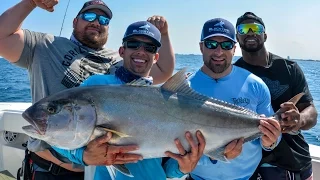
x=164, y=67
x=11, y=35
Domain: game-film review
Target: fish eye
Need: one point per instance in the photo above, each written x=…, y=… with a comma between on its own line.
x=51, y=109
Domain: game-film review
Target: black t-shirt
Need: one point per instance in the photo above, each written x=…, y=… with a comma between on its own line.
x=284, y=79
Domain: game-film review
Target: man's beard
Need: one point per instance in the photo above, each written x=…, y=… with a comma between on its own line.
x=250, y=49
x=90, y=40
x=217, y=68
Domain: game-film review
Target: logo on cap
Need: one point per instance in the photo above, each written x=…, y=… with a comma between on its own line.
x=146, y=27
x=219, y=28
x=221, y=23
x=143, y=30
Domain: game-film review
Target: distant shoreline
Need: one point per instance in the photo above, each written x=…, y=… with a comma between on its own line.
x=237, y=57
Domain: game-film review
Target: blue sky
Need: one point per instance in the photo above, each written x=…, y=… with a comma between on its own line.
x=292, y=25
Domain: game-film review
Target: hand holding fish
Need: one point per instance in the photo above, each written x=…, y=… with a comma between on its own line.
x=99, y=152
x=271, y=129
x=45, y=4
x=234, y=149
x=291, y=117
x=188, y=160
x=160, y=22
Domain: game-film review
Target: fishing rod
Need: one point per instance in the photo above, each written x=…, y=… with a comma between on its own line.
x=64, y=17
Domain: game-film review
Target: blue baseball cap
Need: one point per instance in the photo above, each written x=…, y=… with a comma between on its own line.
x=143, y=28
x=218, y=27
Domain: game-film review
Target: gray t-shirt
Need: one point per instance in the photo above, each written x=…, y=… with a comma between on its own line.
x=57, y=63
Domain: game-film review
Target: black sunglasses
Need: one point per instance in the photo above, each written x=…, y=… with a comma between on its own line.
x=91, y=16
x=212, y=44
x=134, y=44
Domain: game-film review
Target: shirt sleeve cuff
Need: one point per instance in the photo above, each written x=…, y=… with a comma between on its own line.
x=172, y=170
x=272, y=146
x=179, y=173
x=79, y=154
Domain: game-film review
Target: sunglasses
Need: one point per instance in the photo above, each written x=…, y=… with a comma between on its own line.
x=134, y=44
x=91, y=16
x=245, y=28
x=212, y=44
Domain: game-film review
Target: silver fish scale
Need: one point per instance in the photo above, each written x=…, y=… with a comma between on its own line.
x=157, y=117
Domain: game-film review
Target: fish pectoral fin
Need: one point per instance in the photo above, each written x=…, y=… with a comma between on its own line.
x=218, y=154
x=123, y=169
x=120, y=134
x=97, y=132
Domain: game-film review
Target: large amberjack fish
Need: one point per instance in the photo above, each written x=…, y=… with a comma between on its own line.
x=148, y=116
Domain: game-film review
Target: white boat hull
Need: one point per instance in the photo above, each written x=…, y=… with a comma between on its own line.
x=13, y=141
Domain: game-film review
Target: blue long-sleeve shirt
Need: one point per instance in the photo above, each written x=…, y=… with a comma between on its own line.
x=145, y=169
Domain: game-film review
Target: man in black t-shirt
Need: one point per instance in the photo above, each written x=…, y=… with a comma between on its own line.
x=284, y=78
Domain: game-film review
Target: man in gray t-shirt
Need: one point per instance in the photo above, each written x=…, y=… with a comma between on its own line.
x=57, y=63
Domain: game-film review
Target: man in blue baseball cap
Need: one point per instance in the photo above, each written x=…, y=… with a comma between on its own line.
x=223, y=31
x=141, y=43
x=139, y=35
x=219, y=79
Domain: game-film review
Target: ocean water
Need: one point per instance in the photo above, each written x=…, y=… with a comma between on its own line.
x=14, y=84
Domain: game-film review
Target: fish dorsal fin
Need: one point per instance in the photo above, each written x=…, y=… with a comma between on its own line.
x=178, y=83
x=234, y=107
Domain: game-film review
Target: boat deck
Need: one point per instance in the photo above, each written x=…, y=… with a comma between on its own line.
x=5, y=175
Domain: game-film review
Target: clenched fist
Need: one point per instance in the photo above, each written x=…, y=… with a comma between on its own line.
x=45, y=4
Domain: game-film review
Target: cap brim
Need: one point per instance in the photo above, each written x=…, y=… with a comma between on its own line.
x=98, y=6
x=151, y=38
x=214, y=35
